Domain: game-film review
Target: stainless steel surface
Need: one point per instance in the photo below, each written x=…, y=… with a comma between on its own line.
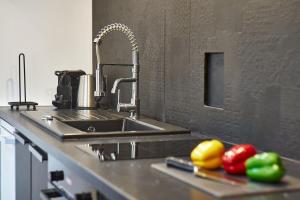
x=47, y=117
x=218, y=177
x=134, y=106
x=132, y=150
x=71, y=124
x=121, y=125
x=85, y=98
x=77, y=115
x=121, y=80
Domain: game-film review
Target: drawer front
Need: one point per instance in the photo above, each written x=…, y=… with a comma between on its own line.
x=71, y=183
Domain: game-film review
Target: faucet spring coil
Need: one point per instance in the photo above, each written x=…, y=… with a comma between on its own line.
x=118, y=27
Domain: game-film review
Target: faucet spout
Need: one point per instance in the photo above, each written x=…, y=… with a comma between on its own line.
x=121, y=80
x=100, y=83
x=134, y=106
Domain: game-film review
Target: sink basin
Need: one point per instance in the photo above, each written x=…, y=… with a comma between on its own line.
x=77, y=124
x=120, y=125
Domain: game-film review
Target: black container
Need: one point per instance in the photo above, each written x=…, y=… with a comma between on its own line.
x=67, y=88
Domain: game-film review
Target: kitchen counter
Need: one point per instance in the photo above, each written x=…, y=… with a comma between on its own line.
x=121, y=179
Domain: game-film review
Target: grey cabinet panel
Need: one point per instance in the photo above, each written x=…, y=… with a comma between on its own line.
x=23, y=172
x=0, y=162
x=25, y=175
x=0, y=165
x=39, y=177
x=31, y=173
x=8, y=180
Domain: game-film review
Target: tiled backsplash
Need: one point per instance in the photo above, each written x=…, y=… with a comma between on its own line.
x=260, y=41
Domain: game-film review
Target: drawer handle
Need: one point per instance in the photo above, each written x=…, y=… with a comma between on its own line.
x=38, y=153
x=21, y=138
x=48, y=194
x=54, y=192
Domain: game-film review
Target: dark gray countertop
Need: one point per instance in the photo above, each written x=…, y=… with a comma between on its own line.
x=120, y=179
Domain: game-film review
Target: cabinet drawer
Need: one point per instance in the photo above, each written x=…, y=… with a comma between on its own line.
x=70, y=182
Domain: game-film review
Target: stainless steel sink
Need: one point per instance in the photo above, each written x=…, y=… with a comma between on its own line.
x=123, y=125
x=76, y=124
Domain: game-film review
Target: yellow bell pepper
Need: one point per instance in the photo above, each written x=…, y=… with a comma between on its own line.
x=208, y=154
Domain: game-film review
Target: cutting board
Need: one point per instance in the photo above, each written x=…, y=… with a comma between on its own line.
x=217, y=189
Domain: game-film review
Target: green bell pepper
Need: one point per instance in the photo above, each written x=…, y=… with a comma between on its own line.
x=265, y=167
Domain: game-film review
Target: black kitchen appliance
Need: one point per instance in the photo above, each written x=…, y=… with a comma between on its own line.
x=19, y=103
x=67, y=88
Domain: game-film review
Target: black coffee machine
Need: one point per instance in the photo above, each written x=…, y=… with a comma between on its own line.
x=67, y=88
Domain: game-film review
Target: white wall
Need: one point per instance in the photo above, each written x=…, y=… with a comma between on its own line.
x=53, y=34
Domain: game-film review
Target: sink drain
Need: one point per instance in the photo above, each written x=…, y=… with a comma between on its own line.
x=91, y=129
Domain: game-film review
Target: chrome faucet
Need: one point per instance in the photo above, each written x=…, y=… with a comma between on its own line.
x=134, y=106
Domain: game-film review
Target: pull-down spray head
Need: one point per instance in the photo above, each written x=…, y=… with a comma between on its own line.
x=100, y=83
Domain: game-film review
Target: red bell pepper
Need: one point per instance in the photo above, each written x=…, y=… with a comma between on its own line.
x=234, y=159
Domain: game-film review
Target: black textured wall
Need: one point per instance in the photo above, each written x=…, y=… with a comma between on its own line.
x=261, y=45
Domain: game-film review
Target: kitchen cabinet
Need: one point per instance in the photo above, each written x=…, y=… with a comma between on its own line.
x=31, y=169
x=24, y=166
x=23, y=163
x=8, y=178
x=71, y=184
x=39, y=171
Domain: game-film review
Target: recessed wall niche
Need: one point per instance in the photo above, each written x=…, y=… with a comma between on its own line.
x=214, y=79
